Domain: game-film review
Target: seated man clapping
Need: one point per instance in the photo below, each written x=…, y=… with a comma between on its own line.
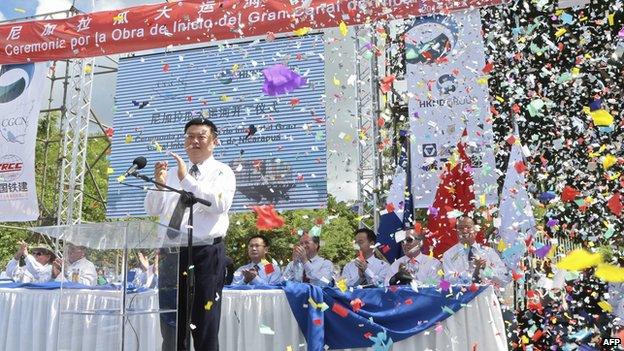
x=259, y=271
x=38, y=264
x=78, y=268
x=366, y=269
x=414, y=266
x=307, y=266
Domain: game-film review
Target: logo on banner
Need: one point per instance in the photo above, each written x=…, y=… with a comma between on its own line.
x=446, y=84
x=433, y=39
x=171, y=89
x=475, y=153
x=14, y=80
x=430, y=150
x=11, y=167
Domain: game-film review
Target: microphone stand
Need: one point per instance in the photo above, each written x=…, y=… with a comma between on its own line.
x=188, y=199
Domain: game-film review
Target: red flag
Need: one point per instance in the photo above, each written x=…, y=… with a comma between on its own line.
x=268, y=218
x=454, y=193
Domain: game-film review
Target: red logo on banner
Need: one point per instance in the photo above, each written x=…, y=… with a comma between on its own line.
x=11, y=167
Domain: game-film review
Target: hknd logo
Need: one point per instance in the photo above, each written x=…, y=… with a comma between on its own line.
x=14, y=80
x=433, y=38
x=11, y=167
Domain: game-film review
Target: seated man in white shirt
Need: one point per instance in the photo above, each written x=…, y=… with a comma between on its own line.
x=78, y=268
x=259, y=271
x=366, y=269
x=307, y=266
x=414, y=266
x=38, y=265
x=468, y=262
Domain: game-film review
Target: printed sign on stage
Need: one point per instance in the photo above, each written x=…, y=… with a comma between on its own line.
x=274, y=144
x=449, y=92
x=21, y=90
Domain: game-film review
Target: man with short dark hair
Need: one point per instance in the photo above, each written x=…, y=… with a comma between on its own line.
x=366, y=269
x=259, y=271
x=468, y=262
x=307, y=266
x=213, y=181
x=414, y=266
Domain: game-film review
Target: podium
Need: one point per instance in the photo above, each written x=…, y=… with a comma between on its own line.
x=127, y=313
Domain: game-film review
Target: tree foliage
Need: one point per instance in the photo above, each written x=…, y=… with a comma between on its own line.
x=47, y=165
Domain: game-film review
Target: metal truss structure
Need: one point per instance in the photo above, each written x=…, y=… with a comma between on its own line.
x=75, y=125
x=367, y=107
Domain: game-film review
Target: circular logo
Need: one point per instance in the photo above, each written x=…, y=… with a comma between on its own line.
x=446, y=84
x=11, y=167
x=433, y=38
x=14, y=79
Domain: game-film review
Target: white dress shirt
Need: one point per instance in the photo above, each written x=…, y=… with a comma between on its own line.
x=376, y=272
x=82, y=271
x=215, y=183
x=32, y=272
x=458, y=270
x=263, y=278
x=422, y=268
x=318, y=270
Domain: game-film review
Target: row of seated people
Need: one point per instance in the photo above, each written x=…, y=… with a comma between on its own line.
x=465, y=263
x=39, y=264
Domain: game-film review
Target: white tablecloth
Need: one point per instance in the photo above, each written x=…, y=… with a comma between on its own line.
x=29, y=320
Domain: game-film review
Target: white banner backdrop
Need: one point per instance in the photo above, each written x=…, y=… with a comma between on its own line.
x=21, y=90
x=448, y=92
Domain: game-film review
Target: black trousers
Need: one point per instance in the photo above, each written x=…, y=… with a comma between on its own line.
x=209, y=269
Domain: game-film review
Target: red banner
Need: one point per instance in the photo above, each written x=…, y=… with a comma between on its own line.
x=154, y=26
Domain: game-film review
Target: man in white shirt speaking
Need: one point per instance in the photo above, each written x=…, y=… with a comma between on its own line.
x=210, y=180
x=468, y=262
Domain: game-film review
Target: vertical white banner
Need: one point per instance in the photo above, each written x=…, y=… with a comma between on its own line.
x=448, y=92
x=21, y=90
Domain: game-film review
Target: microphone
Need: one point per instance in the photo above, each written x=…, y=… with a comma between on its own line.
x=138, y=163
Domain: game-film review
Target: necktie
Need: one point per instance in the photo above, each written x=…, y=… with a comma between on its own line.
x=470, y=254
x=305, y=276
x=176, y=218
x=194, y=171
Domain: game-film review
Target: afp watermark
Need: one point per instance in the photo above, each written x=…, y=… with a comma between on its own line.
x=611, y=343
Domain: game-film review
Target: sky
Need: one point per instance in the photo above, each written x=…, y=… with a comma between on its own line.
x=15, y=9
x=342, y=153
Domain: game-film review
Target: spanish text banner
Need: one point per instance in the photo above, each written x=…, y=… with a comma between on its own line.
x=190, y=22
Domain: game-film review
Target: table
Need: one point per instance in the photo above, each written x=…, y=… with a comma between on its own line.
x=29, y=320
x=242, y=312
